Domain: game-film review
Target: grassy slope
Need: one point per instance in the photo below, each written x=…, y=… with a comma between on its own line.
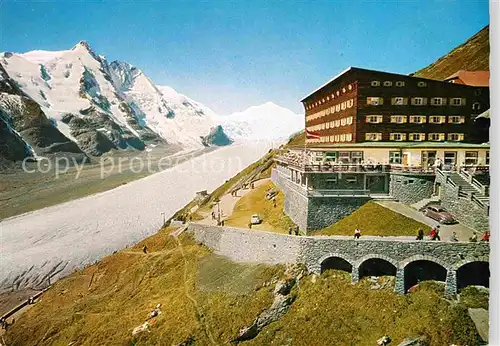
x=255, y=203
x=373, y=219
x=472, y=55
x=101, y=304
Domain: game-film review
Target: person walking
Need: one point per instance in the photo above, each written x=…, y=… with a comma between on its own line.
x=357, y=233
x=274, y=201
x=145, y=249
x=420, y=234
x=473, y=239
x=453, y=237
x=435, y=233
x=486, y=236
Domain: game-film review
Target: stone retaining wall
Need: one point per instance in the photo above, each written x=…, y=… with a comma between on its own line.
x=466, y=211
x=412, y=188
x=244, y=245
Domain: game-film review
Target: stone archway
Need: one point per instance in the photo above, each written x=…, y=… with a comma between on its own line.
x=473, y=273
x=377, y=266
x=423, y=270
x=334, y=261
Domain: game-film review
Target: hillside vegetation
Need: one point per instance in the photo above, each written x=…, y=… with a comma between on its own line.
x=206, y=300
x=472, y=55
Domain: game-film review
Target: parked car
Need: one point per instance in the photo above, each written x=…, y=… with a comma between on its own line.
x=255, y=219
x=271, y=194
x=439, y=214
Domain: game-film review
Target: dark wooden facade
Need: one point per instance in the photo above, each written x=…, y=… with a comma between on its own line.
x=360, y=84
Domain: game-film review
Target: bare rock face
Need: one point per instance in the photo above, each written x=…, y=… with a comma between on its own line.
x=283, y=299
x=415, y=341
x=25, y=127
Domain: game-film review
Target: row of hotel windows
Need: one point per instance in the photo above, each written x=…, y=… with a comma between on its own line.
x=331, y=110
x=416, y=119
x=345, y=137
x=399, y=83
x=328, y=97
x=421, y=101
x=331, y=124
x=453, y=137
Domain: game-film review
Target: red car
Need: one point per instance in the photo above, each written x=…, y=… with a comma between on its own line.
x=439, y=214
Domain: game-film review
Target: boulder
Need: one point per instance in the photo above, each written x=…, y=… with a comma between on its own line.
x=420, y=340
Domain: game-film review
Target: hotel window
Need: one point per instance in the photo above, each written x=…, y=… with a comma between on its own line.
x=374, y=119
x=457, y=101
x=395, y=157
x=337, y=123
x=342, y=121
x=417, y=119
x=349, y=87
x=397, y=136
x=327, y=111
x=438, y=101
x=399, y=101
x=373, y=136
x=350, y=103
x=476, y=106
x=327, y=125
x=374, y=101
x=348, y=137
x=400, y=83
x=437, y=119
x=342, y=137
x=337, y=138
x=422, y=84
x=398, y=119
x=337, y=108
x=455, y=137
x=418, y=101
x=349, y=120
x=356, y=156
x=436, y=136
x=471, y=157
x=416, y=137
x=343, y=90
x=456, y=119
x=344, y=156
x=375, y=83
x=343, y=105
x=338, y=93
x=387, y=83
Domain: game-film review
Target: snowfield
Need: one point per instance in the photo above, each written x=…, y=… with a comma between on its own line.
x=54, y=241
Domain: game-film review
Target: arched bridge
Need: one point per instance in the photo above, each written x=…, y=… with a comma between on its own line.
x=410, y=261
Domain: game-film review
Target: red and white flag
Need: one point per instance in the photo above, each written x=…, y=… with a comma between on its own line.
x=312, y=135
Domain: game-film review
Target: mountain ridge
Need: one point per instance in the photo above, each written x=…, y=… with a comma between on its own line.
x=102, y=105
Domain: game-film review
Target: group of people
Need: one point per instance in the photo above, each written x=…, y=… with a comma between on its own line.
x=434, y=235
x=293, y=230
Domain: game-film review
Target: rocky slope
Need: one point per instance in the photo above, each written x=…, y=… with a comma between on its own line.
x=25, y=130
x=472, y=55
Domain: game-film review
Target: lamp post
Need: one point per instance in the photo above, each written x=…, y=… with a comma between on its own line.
x=163, y=219
x=218, y=211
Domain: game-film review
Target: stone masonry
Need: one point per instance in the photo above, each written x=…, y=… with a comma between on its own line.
x=465, y=210
x=412, y=188
x=252, y=246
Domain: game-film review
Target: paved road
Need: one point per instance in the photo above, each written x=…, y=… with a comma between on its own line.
x=54, y=241
x=228, y=202
x=463, y=232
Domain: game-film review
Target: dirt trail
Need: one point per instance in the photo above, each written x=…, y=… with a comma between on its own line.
x=199, y=313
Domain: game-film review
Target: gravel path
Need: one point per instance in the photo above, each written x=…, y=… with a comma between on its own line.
x=54, y=241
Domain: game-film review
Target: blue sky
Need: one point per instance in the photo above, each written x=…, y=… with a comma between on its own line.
x=233, y=54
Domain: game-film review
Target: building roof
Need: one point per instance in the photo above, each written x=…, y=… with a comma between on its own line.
x=353, y=68
x=473, y=78
x=406, y=145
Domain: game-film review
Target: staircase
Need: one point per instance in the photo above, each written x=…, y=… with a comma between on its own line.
x=470, y=188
